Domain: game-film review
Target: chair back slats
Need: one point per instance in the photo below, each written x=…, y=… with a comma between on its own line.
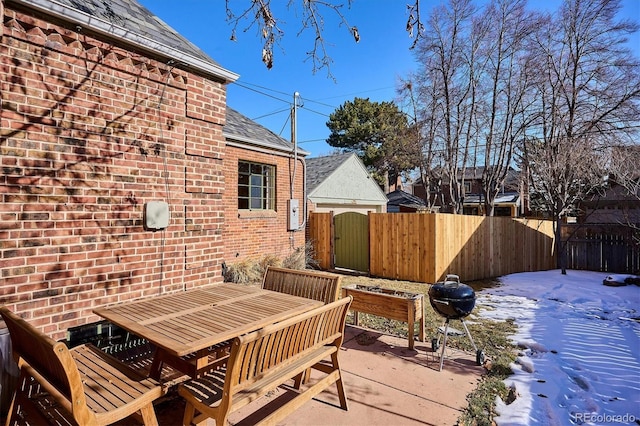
x=280, y=344
x=317, y=285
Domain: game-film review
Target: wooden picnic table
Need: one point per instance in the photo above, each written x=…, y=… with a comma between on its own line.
x=187, y=323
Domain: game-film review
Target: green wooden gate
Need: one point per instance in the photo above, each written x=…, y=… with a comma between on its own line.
x=351, y=246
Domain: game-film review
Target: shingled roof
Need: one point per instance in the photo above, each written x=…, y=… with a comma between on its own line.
x=320, y=168
x=242, y=129
x=130, y=22
x=399, y=198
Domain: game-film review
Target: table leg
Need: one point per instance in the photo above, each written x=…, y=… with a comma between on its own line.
x=156, y=365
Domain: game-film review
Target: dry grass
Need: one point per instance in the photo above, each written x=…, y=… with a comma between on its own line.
x=490, y=336
x=250, y=271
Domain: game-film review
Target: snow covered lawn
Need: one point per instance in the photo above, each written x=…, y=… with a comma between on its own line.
x=580, y=340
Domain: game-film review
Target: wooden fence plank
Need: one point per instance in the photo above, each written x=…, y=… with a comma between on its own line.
x=426, y=247
x=601, y=247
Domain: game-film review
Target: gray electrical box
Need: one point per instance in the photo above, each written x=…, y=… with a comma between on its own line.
x=156, y=215
x=294, y=215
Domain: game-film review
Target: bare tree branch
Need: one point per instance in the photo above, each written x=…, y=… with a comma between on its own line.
x=415, y=27
x=260, y=13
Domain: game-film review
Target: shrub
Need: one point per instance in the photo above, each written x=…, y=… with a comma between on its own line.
x=251, y=271
x=243, y=272
x=301, y=258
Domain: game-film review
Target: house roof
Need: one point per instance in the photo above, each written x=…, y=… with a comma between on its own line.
x=501, y=198
x=342, y=179
x=129, y=21
x=475, y=173
x=402, y=198
x=319, y=168
x=242, y=129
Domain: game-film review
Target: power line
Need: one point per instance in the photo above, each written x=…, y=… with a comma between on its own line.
x=260, y=87
x=245, y=85
x=271, y=113
x=312, y=140
x=262, y=93
x=315, y=112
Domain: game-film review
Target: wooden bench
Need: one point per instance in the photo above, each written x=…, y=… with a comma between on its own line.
x=265, y=359
x=83, y=385
x=317, y=285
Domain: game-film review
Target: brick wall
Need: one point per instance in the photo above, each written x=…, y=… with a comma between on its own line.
x=90, y=133
x=254, y=234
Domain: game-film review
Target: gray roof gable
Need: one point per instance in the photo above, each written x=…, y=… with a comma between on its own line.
x=400, y=197
x=246, y=131
x=129, y=21
x=319, y=168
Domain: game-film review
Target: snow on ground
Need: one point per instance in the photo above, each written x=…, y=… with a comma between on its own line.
x=579, y=361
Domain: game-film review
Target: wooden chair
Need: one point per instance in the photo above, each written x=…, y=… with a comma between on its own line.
x=317, y=285
x=82, y=385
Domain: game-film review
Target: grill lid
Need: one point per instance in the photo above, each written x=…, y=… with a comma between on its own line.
x=451, y=288
x=451, y=298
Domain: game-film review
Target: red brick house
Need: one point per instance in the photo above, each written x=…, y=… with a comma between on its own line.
x=254, y=232
x=106, y=109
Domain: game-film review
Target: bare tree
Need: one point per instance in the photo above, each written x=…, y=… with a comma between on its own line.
x=505, y=27
x=472, y=87
x=623, y=168
x=588, y=91
x=422, y=137
x=446, y=85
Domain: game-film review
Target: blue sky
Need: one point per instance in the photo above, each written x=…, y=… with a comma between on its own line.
x=369, y=69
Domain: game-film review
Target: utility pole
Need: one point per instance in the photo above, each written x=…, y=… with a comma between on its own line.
x=293, y=203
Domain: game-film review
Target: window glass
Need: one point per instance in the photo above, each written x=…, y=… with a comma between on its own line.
x=256, y=186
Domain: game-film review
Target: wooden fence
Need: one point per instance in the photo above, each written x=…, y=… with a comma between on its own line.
x=426, y=247
x=602, y=248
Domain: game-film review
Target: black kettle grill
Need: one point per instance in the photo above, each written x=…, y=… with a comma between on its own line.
x=454, y=301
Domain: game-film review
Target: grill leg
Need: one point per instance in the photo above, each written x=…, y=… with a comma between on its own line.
x=469, y=334
x=444, y=342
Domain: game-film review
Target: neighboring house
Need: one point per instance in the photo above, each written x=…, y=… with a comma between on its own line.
x=613, y=206
x=340, y=183
x=403, y=202
x=111, y=120
x=507, y=203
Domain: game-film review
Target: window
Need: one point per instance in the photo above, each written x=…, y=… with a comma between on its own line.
x=256, y=186
x=467, y=187
x=502, y=211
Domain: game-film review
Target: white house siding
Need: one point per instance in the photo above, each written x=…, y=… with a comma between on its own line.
x=341, y=208
x=348, y=188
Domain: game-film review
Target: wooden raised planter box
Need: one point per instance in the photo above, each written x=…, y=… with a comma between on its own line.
x=388, y=303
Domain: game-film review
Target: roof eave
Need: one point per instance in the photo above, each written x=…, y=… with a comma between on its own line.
x=240, y=142
x=61, y=11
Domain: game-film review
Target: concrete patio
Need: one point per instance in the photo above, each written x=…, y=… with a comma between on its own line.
x=386, y=384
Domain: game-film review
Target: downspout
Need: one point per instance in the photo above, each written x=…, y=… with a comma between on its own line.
x=304, y=194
